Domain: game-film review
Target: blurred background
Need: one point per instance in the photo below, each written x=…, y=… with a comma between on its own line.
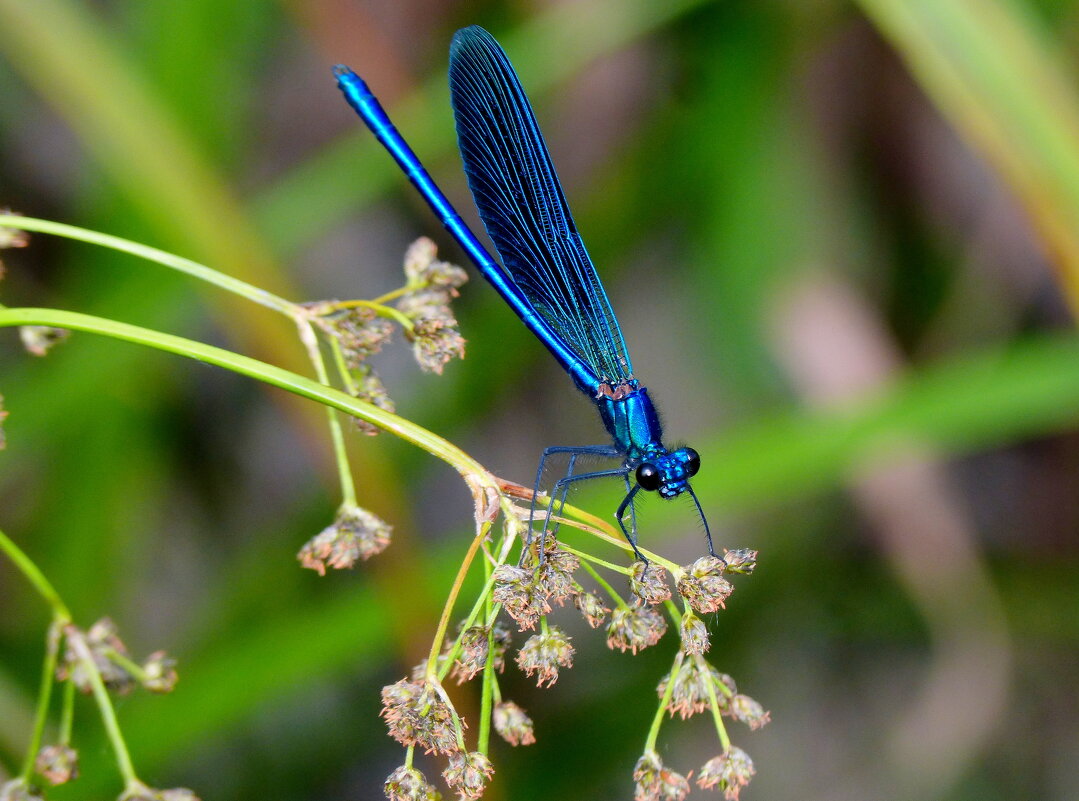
x=843, y=242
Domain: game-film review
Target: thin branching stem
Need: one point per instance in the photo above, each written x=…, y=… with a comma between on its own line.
x=713, y=702
x=193, y=268
x=602, y=582
x=104, y=704
x=657, y=721
x=67, y=713
x=43, y=586
x=337, y=436
x=389, y=312
x=48, y=679
x=451, y=600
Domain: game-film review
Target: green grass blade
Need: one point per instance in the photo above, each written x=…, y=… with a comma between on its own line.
x=994, y=73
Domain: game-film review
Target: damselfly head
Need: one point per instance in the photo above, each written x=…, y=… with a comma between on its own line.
x=668, y=472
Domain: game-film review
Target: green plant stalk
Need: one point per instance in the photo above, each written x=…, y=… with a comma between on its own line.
x=487, y=694
x=380, y=309
x=67, y=713
x=337, y=436
x=587, y=557
x=105, y=707
x=27, y=567
x=253, y=368
x=342, y=366
x=713, y=703
x=41, y=717
x=603, y=583
x=127, y=663
x=451, y=655
x=657, y=721
x=451, y=599
x=164, y=258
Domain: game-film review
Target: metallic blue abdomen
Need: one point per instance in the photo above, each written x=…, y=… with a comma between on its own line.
x=632, y=422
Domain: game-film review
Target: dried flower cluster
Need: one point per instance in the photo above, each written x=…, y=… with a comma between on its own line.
x=420, y=715
x=87, y=659
x=359, y=329
x=355, y=535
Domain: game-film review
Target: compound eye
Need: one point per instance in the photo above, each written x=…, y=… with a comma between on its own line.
x=693, y=461
x=648, y=477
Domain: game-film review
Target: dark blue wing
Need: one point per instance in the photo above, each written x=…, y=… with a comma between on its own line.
x=522, y=206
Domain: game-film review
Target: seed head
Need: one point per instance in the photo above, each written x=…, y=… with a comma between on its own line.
x=654, y=782
x=729, y=772
x=703, y=585
x=415, y=714
x=367, y=386
x=161, y=676
x=408, y=784
x=435, y=342
x=102, y=640
x=649, y=583
x=472, y=657
x=748, y=711
x=543, y=654
x=40, y=339
x=355, y=534
x=468, y=773
x=358, y=330
x=513, y=724
x=422, y=267
x=515, y=589
x=694, y=634
x=554, y=577
x=591, y=607
x=635, y=627
x=740, y=560
x=58, y=764
x=19, y=790
x=690, y=692
x=431, y=303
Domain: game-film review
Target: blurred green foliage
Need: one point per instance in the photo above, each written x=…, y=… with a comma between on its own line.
x=721, y=158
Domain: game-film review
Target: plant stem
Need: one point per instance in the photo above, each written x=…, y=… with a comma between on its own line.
x=657, y=721
x=344, y=470
x=484, y=738
x=587, y=557
x=67, y=713
x=200, y=271
x=451, y=600
x=395, y=294
x=48, y=678
x=378, y=308
x=104, y=705
x=603, y=583
x=451, y=655
x=713, y=702
x=127, y=663
x=270, y=374
x=27, y=567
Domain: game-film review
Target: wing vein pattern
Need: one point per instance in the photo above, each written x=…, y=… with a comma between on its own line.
x=523, y=208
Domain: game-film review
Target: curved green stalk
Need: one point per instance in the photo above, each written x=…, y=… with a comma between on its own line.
x=164, y=258
x=33, y=573
x=253, y=368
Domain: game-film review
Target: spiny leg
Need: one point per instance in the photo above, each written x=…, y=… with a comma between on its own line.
x=632, y=507
x=562, y=486
x=700, y=511
x=621, y=513
x=574, y=451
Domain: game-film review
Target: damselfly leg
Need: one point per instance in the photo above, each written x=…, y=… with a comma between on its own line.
x=561, y=487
